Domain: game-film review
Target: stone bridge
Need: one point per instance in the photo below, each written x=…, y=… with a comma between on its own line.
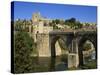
x=74, y=41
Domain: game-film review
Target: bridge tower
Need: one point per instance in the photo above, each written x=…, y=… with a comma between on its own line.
x=41, y=34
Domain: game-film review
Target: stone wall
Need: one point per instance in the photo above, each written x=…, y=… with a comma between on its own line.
x=43, y=45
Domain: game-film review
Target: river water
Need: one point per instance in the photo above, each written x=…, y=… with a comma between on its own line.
x=58, y=63
x=43, y=64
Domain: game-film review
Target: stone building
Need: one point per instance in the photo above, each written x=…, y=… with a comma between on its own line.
x=40, y=25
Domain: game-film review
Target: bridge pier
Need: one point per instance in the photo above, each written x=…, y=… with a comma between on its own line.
x=73, y=58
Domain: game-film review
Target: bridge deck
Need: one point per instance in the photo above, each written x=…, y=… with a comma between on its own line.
x=73, y=32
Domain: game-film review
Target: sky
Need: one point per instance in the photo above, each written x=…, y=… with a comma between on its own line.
x=24, y=10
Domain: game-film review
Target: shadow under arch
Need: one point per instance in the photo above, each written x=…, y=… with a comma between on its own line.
x=53, y=42
x=54, y=58
x=93, y=40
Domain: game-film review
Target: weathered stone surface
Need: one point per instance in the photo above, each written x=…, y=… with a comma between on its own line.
x=72, y=60
x=43, y=45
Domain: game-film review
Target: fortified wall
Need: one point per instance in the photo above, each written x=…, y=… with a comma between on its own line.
x=40, y=34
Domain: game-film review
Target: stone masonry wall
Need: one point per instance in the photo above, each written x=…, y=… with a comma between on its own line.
x=43, y=45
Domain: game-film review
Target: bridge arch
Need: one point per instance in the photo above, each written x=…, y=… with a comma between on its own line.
x=93, y=39
x=67, y=39
x=54, y=40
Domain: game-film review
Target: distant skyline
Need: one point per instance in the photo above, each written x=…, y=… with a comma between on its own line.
x=24, y=10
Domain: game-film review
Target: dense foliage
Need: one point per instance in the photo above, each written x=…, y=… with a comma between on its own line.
x=22, y=25
x=72, y=23
x=23, y=47
x=87, y=46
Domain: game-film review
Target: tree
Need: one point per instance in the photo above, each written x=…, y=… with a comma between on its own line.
x=86, y=46
x=57, y=21
x=78, y=25
x=72, y=20
x=73, y=23
x=55, y=27
x=18, y=25
x=53, y=23
x=23, y=47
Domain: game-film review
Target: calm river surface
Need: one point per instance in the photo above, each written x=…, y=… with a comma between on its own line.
x=58, y=63
x=43, y=64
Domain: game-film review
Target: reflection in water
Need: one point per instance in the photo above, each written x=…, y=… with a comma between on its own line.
x=90, y=57
x=61, y=66
x=93, y=55
x=50, y=64
x=58, y=63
